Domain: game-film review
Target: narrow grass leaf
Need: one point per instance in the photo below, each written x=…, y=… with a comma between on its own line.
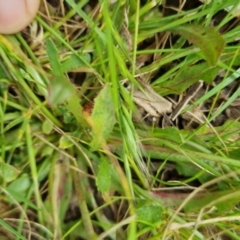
x=14, y=123
x=168, y=134
x=12, y=230
x=87, y=19
x=102, y=118
x=103, y=179
x=3, y=73
x=118, y=15
x=235, y=153
x=207, y=39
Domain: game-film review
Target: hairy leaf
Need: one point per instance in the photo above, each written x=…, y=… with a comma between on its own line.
x=60, y=88
x=207, y=39
x=47, y=127
x=20, y=185
x=64, y=142
x=103, y=180
x=7, y=172
x=199, y=200
x=74, y=62
x=150, y=213
x=188, y=76
x=102, y=118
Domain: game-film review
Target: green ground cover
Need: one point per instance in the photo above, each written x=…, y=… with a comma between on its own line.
x=89, y=148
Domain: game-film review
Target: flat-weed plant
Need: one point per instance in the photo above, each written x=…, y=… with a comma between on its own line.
x=75, y=162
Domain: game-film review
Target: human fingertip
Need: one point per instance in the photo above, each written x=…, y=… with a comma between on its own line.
x=15, y=15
